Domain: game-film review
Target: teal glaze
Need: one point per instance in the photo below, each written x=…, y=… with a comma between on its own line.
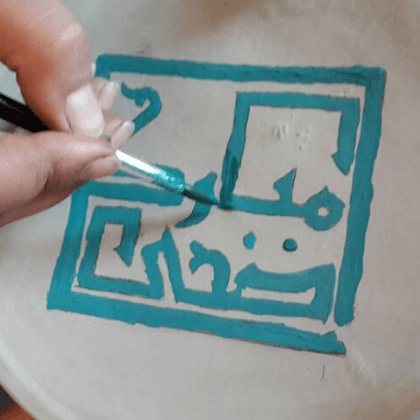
x=323, y=200
x=200, y=210
x=218, y=261
x=140, y=96
x=276, y=334
x=129, y=218
x=290, y=245
x=284, y=186
x=107, y=64
x=250, y=240
x=62, y=297
x=285, y=206
x=171, y=179
x=361, y=196
x=321, y=278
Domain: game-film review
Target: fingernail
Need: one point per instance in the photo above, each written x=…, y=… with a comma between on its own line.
x=108, y=94
x=84, y=113
x=100, y=168
x=122, y=134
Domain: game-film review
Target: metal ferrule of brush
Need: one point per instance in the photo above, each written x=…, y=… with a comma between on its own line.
x=150, y=173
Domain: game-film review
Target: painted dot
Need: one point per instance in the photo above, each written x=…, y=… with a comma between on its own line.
x=249, y=240
x=290, y=245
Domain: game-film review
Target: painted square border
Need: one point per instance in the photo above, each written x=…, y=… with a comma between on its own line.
x=372, y=79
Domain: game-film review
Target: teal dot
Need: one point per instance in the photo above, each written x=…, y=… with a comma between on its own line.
x=249, y=240
x=290, y=245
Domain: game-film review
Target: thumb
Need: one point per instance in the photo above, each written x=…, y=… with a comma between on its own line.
x=37, y=171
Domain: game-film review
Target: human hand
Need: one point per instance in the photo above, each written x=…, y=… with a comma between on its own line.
x=49, y=51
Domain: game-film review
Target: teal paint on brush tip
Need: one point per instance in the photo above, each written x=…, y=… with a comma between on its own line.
x=201, y=210
x=160, y=176
x=172, y=180
x=199, y=197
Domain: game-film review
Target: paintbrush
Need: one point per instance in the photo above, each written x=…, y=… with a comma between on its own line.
x=22, y=116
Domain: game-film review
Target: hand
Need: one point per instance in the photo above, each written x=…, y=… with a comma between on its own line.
x=49, y=51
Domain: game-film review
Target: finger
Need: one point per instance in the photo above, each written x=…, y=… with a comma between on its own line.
x=49, y=49
x=106, y=92
x=122, y=134
x=83, y=112
x=117, y=131
x=112, y=124
x=33, y=207
x=37, y=171
x=97, y=84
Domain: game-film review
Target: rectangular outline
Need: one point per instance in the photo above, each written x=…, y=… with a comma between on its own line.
x=343, y=157
x=373, y=79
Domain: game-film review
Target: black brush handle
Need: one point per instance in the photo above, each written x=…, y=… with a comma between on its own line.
x=20, y=115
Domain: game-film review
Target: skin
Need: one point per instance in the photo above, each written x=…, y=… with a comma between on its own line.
x=49, y=51
x=14, y=412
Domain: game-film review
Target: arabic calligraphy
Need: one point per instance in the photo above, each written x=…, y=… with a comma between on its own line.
x=334, y=288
